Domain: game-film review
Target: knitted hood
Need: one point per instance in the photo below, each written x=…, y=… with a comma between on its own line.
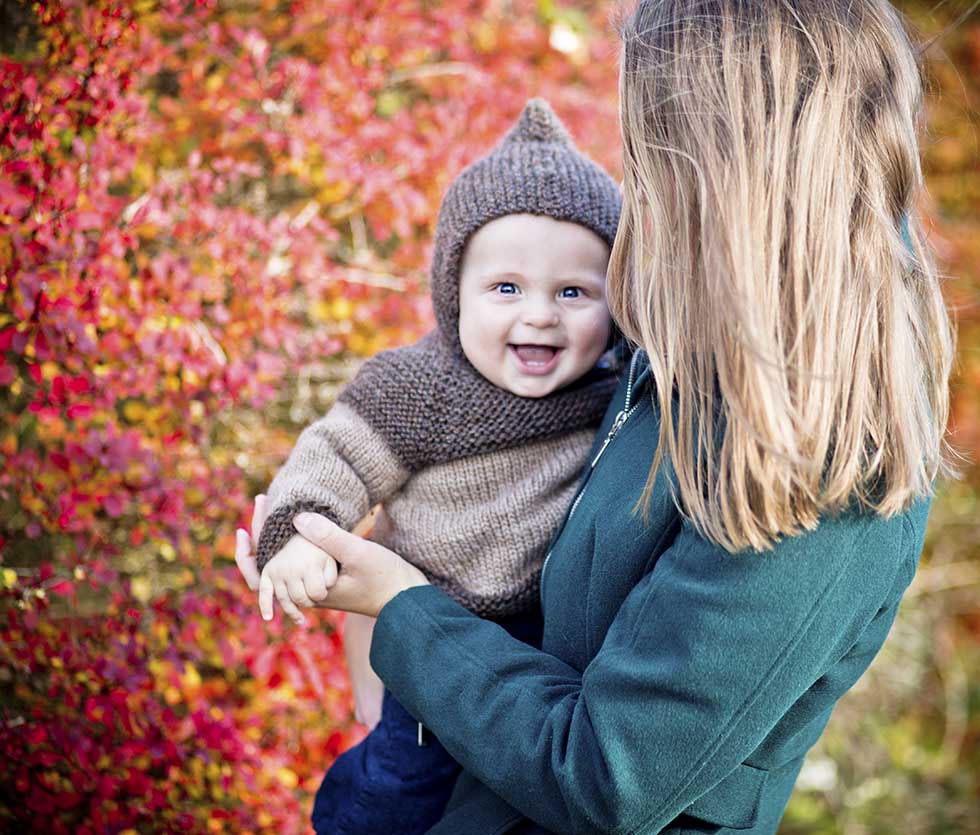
x=536, y=169
x=428, y=402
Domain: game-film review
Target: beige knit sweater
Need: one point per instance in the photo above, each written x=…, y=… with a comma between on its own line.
x=478, y=527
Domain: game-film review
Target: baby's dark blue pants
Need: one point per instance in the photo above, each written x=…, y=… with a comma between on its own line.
x=390, y=784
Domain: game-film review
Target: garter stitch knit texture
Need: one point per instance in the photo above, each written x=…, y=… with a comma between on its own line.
x=480, y=530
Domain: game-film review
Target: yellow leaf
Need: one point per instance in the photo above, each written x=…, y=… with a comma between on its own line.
x=485, y=37
x=141, y=588
x=341, y=309
x=334, y=192
x=288, y=777
x=320, y=311
x=134, y=411
x=191, y=678
x=358, y=344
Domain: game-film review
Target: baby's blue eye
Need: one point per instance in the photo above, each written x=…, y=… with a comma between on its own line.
x=570, y=292
x=507, y=288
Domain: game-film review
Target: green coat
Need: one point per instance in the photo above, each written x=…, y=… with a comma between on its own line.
x=679, y=686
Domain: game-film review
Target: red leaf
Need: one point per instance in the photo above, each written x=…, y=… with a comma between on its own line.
x=80, y=410
x=65, y=587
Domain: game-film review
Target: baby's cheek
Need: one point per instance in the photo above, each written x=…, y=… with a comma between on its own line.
x=596, y=329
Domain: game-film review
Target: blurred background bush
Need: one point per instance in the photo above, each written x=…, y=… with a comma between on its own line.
x=212, y=211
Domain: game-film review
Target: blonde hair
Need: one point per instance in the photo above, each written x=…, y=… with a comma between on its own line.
x=800, y=347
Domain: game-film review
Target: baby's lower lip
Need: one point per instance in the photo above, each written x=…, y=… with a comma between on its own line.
x=535, y=367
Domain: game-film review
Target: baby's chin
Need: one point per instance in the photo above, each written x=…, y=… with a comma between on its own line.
x=532, y=389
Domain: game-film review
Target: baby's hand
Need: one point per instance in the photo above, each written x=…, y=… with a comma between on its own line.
x=299, y=575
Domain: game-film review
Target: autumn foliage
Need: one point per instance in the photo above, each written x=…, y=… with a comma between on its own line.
x=210, y=211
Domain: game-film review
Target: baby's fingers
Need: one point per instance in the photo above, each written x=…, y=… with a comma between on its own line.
x=284, y=594
x=266, y=596
x=330, y=573
x=315, y=583
x=297, y=592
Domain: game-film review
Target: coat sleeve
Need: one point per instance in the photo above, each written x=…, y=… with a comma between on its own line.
x=340, y=467
x=704, y=657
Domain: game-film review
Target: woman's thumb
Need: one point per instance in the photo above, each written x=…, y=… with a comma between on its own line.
x=326, y=535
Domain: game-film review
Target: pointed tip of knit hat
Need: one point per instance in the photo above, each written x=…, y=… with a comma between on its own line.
x=538, y=123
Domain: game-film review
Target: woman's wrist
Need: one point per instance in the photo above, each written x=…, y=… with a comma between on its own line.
x=409, y=577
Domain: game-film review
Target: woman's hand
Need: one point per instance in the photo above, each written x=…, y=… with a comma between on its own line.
x=370, y=575
x=245, y=545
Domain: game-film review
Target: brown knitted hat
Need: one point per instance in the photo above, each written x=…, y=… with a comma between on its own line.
x=536, y=169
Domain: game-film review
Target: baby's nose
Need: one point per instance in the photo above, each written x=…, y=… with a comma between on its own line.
x=540, y=315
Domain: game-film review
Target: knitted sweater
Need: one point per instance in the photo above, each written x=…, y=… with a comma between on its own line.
x=476, y=526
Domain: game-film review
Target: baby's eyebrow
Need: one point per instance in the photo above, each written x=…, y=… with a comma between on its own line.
x=582, y=278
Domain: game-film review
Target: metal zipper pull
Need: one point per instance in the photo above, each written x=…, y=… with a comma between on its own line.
x=621, y=417
x=617, y=424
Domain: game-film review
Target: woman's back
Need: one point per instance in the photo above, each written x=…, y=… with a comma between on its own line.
x=681, y=684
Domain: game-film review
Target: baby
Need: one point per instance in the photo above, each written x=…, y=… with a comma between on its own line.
x=472, y=439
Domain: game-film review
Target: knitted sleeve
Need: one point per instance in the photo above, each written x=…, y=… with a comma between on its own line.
x=340, y=467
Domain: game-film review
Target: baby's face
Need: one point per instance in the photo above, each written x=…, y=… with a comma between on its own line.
x=532, y=302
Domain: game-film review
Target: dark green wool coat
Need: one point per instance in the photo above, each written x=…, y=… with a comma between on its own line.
x=678, y=687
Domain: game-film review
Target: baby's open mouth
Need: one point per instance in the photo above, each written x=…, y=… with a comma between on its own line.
x=540, y=358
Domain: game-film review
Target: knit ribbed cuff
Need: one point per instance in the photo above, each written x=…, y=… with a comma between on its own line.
x=278, y=528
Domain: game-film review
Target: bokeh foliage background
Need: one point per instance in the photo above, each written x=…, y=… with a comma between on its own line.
x=212, y=210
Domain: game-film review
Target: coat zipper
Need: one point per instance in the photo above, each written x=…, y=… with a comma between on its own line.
x=618, y=422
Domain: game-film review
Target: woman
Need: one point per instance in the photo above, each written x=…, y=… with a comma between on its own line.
x=758, y=493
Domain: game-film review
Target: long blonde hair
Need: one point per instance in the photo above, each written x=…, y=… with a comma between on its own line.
x=800, y=346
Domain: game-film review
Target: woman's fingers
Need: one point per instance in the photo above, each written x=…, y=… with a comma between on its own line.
x=245, y=560
x=260, y=511
x=343, y=546
x=370, y=575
